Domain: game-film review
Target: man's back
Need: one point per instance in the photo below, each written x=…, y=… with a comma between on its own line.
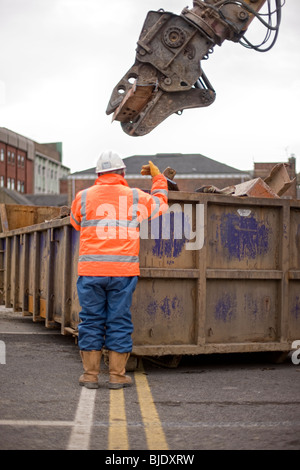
x=108, y=216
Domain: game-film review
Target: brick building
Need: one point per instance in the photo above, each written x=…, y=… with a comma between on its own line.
x=29, y=167
x=192, y=172
x=16, y=162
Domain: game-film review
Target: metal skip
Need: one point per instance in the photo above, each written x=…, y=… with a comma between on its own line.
x=228, y=280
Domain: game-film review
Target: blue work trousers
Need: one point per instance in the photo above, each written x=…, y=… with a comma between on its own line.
x=105, y=315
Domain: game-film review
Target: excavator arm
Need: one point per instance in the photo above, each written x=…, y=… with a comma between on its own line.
x=167, y=75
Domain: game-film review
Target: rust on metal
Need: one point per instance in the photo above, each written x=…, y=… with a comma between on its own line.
x=169, y=52
x=170, y=173
x=133, y=103
x=278, y=179
x=15, y=216
x=254, y=188
x=273, y=186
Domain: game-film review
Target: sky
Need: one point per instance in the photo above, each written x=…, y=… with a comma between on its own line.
x=61, y=59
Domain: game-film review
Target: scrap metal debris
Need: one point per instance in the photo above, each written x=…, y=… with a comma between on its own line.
x=170, y=173
x=65, y=211
x=273, y=186
x=279, y=179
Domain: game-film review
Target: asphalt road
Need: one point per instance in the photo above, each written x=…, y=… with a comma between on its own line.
x=220, y=402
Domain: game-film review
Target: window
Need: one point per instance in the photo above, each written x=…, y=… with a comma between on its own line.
x=13, y=158
x=8, y=183
x=2, y=155
x=22, y=187
x=1, y=181
x=22, y=161
x=12, y=183
x=19, y=185
x=8, y=156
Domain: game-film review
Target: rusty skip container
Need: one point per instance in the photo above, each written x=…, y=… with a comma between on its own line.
x=218, y=274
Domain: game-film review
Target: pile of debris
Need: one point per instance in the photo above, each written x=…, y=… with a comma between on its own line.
x=274, y=186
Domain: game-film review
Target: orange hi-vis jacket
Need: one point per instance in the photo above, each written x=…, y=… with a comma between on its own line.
x=108, y=216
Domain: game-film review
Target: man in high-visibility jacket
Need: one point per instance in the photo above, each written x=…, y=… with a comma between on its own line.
x=108, y=215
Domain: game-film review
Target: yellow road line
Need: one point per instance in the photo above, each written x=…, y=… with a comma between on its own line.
x=155, y=436
x=117, y=435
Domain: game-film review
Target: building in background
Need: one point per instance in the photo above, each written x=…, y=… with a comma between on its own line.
x=16, y=162
x=192, y=172
x=48, y=168
x=35, y=170
x=28, y=167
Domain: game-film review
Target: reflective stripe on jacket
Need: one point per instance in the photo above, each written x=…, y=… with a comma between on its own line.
x=108, y=216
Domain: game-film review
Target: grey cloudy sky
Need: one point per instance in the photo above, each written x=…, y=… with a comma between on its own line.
x=60, y=60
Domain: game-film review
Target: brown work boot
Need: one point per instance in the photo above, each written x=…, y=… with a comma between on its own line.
x=91, y=365
x=117, y=369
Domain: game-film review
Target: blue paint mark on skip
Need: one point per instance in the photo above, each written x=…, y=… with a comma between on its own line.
x=296, y=308
x=172, y=246
x=167, y=307
x=152, y=308
x=169, y=248
x=244, y=237
x=225, y=308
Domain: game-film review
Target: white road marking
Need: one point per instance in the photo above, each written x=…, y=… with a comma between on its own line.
x=31, y=422
x=80, y=435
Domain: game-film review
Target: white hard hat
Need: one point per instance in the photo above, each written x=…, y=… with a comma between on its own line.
x=109, y=161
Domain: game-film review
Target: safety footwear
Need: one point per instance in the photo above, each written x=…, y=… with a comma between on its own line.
x=91, y=365
x=117, y=369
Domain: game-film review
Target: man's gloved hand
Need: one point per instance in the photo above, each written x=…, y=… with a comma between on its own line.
x=150, y=169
